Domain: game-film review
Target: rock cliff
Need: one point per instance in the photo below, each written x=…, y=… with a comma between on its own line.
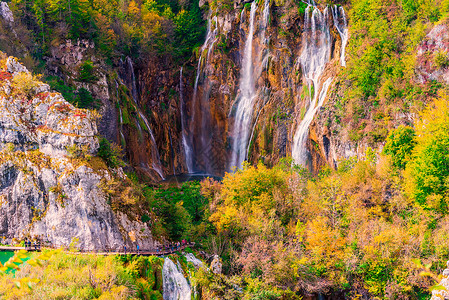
x=51, y=183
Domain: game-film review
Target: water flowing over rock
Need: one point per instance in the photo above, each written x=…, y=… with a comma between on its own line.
x=129, y=78
x=341, y=24
x=245, y=100
x=188, y=151
x=44, y=190
x=315, y=54
x=199, y=158
x=175, y=285
x=195, y=261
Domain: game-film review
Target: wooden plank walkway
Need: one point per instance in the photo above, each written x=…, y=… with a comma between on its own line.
x=134, y=252
x=141, y=252
x=12, y=249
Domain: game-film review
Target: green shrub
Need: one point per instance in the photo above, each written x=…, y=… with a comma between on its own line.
x=87, y=72
x=110, y=153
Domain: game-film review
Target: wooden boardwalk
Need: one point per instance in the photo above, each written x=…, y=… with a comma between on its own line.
x=133, y=252
x=12, y=249
x=142, y=252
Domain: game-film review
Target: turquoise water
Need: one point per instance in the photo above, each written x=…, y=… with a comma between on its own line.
x=4, y=256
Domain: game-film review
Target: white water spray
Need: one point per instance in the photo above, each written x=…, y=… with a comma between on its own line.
x=188, y=151
x=175, y=285
x=155, y=157
x=315, y=54
x=246, y=97
x=341, y=24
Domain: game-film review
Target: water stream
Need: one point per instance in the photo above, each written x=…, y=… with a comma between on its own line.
x=155, y=157
x=175, y=285
x=199, y=140
x=245, y=100
x=316, y=53
x=341, y=24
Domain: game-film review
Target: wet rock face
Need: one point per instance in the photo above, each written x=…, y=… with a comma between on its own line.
x=47, y=185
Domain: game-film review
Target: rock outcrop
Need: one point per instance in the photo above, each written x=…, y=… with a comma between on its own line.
x=442, y=292
x=50, y=180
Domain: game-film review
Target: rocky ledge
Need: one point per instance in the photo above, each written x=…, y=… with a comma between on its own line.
x=52, y=185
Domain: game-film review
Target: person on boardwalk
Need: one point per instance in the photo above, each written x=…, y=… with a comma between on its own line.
x=137, y=249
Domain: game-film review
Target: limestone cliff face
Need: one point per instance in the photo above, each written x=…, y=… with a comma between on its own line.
x=46, y=189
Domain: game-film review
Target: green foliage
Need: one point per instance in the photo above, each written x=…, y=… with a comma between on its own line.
x=428, y=171
x=381, y=62
x=179, y=208
x=400, y=143
x=110, y=153
x=86, y=276
x=81, y=98
x=87, y=72
x=84, y=99
x=163, y=27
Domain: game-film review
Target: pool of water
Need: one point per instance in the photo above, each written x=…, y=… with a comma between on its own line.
x=5, y=255
x=180, y=178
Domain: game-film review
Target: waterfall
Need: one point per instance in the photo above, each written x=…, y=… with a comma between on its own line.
x=245, y=100
x=315, y=54
x=175, y=285
x=199, y=123
x=155, y=157
x=188, y=151
x=122, y=136
x=134, y=92
x=341, y=24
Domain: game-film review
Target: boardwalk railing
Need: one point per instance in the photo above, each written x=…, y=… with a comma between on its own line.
x=153, y=252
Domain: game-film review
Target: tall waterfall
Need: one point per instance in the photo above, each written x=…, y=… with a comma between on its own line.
x=341, y=24
x=175, y=286
x=315, y=54
x=198, y=140
x=245, y=99
x=155, y=157
x=188, y=151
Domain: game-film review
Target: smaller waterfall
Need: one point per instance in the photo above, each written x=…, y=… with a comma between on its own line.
x=134, y=92
x=265, y=20
x=315, y=54
x=341, y=24
x=122, y=137
x=175, y=285
x=195, y=261
x=245, y=100
x=155, y=157
x=199, y=125
x=188, y=151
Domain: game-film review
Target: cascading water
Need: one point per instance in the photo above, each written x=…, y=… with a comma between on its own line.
x=245, y=100
x=200, y=112
x=175, y=285
x=315, y=54
x=188, y=151
x=155, y=157
x=341, y=24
